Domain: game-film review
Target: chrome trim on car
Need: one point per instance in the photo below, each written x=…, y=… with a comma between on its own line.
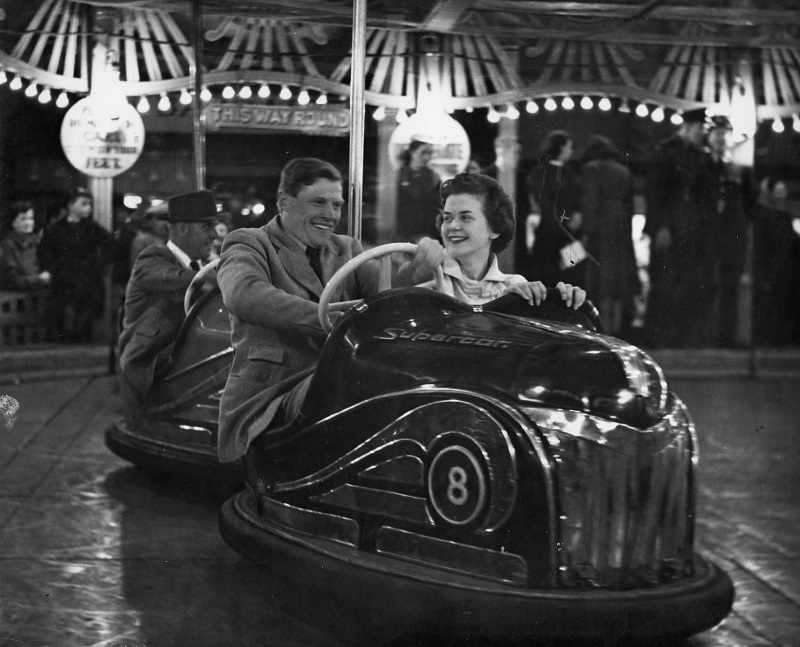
x=625, y=495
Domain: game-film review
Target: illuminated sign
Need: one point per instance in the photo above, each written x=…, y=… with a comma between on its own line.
x=447, y=137
x=99, y=144
x=307, y=120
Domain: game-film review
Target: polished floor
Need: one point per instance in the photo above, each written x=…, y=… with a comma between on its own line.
x=95, y=553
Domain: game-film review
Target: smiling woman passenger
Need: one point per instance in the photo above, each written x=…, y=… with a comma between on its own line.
x=476, y=223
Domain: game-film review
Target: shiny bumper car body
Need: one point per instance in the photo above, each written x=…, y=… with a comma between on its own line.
x=488, y=471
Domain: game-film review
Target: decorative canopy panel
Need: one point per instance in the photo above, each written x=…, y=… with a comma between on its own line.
x=469, y=53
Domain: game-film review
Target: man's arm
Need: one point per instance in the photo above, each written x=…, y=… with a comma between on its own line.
x=154, y=273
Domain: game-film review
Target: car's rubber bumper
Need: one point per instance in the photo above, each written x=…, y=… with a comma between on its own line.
x=165, y=457
x=396, y=597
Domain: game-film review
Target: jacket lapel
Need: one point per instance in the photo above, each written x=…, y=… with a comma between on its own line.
x=293, y=258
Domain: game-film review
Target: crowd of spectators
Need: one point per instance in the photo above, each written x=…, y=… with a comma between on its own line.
x=704, y=219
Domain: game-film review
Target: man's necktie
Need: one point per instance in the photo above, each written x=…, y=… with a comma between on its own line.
x=313, y=257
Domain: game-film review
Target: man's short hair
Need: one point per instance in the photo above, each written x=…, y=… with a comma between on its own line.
x=304, y=171
x=497, y=207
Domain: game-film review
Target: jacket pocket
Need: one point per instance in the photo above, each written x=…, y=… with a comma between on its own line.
x=264, y=363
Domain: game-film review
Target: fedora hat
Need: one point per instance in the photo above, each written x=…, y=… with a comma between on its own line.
x=196, y=206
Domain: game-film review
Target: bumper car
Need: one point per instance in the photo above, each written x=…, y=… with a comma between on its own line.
x=177, y=431
x=504, y=471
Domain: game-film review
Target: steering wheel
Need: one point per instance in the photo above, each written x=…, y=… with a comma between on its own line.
x=193, y=291
x=384, y=278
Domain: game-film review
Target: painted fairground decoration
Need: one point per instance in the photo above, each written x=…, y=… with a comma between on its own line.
x=99, y=142
x=307, y=120
x=451, y=149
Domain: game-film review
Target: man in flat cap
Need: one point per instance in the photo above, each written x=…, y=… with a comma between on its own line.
x=271, y=280
x=678, y=208
x=155, y=293
x=732, y=201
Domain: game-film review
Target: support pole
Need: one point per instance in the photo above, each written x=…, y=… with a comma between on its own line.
x=198, y=115
x=357, y=114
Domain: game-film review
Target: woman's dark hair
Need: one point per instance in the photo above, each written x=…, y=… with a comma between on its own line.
x=304, y=171
x=600, y=148
x=18, y=207
x=497, y=206
x=553, y=144
x=414, y=144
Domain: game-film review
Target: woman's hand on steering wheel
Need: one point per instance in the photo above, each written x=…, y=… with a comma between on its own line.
x=572, y=295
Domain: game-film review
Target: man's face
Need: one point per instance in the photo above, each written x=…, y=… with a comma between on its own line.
x=694, y=133
x=195, y=238
x=81, y=207
x=312, y=215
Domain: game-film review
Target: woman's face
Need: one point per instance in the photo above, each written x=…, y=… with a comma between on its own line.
x=465, y=229
x=23, y=223
x=421, y=156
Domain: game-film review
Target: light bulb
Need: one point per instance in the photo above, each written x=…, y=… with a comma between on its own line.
x=641, y=110
x=163, y=103
x=624, y=107
x=245, y=92
x=303, y=99
x=16, y=83
x=657, y=115
x=185, y=98
x=322, y=99
x=379, y=114
x=587, y=103
x=401, y=116
x=568, y=103
x=777, y=125
x=63, y=100
x=532, y=107
x=144, y=105
x=228, y=92
x=550, y=104
x=44, y=96
x=3, y=77
x=469, y=109
x=492, y=116
x=796, y=123
x=286, y=93
x=676, y=119
x=263, y=91
x=205, y=95
x=605, y=104
x=31, y=90
x=512, y=112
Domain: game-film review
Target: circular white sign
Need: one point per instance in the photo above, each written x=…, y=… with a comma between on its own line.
x=99, y=141
x=451, y=149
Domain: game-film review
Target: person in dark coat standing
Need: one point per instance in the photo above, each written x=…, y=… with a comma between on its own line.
x=418, y=199
x=733, y=201
x=75, y=250
x=155, y=294
x=19, y=261
x=271, y=280
x=607, y=208
x=679, y=217
x=554, y=199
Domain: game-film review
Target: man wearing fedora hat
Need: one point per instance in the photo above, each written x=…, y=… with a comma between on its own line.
x=677, y=222
x=155, y=293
